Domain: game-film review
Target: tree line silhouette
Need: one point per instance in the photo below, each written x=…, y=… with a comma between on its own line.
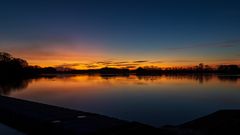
x=17, y=67
x=11, y=66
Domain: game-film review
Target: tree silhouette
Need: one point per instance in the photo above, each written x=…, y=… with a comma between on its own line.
x=228, y=69
x=10, y=65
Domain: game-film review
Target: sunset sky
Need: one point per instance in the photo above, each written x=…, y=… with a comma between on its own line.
x=121, y=33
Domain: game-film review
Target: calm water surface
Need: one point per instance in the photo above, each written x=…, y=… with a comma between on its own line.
x=154, y=100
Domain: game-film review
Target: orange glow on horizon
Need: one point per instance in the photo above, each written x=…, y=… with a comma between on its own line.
x=84, y=59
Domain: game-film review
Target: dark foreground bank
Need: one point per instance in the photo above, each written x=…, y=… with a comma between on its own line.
x=35, y=118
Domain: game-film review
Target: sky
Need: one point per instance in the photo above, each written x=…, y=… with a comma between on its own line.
x=121, y=33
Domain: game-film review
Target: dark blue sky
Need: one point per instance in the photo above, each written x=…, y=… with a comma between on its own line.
x=169, y=31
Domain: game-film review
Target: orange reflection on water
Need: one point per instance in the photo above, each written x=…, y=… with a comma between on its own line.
x=94, y=85
x=132, y=97
x=99, y=81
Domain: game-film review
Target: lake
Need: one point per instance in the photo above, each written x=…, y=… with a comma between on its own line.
x=154, y=100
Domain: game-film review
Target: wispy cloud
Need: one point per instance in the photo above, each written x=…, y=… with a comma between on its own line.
x=156, y=62
x=118, y=64
x=227, y=46
x=68, y=65
x=110, y=63
x=104, y=62
x=182, y=61
x=223, y=44
x=90, y=66
x=140, y=61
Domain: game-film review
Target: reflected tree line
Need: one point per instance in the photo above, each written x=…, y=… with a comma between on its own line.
x=16, y=73
x=201, y=78
x=19, y=83
x=14, y=84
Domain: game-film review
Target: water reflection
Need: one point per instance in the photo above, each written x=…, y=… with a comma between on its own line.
x=8, y=85
x=201, y=78
x=155, y=100
x=107, y=77
x=225, y=78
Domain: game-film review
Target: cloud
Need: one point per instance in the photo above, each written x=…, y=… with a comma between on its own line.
x=222, y=44
x=92, y=66
x=123, y=65
x=140, y=61
x=115, y=63
x=121, y=62
x=118, y=64
x=232, y=41
x=226, y=59
x=156, y=62
x=227, y=46
x=68, y=65
x=180, y=61
x=104, y=62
